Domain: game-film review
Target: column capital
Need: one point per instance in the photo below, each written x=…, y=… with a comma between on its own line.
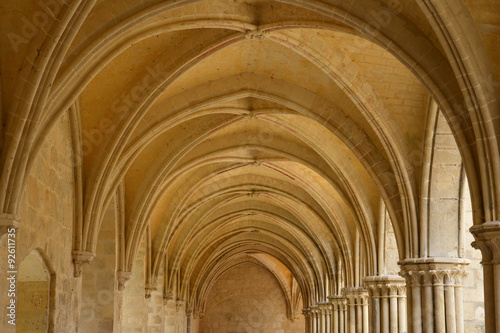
x=314, y=310
x=352, y=294
x=375, y=290
x=122, y=277
x=434, y=271
x=377, y=282
x=402, y=290
x=393, y=289
x=487, y=239
x=167, y=296
x=178, y=305
x=81, y=258
x=430, y=277
x=149, y=288
x=325, y=307
x=189, y=310
x=337, y=301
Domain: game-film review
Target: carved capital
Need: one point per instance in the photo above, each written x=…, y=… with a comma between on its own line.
x=375, y=290
x=167, y=297
x=189, y=310
x=402, y=291
x=179, y=304
x=325, y=308
x=487, y=239
x=293, y=317
x=428, y=277
x=435, y=271
x=150, y=287
x=459, y=276
x=353, y=294
x=383, y=285
x=437, y=276
x=336, y=301
x=393, y=289
x=414, y=278
x=81, y=258
x=314, y=311
x=122, y=278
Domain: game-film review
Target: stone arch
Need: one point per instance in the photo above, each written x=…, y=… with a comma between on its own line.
x=266, y=302
x=258, y=259
x=442, y=185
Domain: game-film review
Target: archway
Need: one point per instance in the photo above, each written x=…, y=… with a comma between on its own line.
x=34, y=296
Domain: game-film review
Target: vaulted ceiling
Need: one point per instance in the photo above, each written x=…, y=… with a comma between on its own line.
x=231, y=127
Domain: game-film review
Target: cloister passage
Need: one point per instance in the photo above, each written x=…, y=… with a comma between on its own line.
x=222, y=166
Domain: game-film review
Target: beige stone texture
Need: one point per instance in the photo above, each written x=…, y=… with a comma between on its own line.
x=150, y=150
x=246, y=298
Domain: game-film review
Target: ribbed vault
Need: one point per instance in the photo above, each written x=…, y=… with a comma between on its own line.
x=270, y=132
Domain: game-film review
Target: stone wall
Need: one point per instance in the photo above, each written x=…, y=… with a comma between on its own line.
x=98, y=281
x=47, y=225
x=248, y=299
x=135, y=316
x=474, y=282
x=156, y=308
x=33, y=282
x=175, y=317
x=391, y=249
x=33, y=306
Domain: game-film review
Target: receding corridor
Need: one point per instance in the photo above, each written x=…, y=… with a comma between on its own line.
x=250, y=166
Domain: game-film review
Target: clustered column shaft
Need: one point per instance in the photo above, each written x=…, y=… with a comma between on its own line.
x=339, y=308
x=357, y=317
x=487, y=239
x=388, y=303
x=435, y=289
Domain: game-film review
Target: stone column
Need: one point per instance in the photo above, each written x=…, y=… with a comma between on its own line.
x=385, y=314
x=402, y=308
x=328, y=310
x=307, y=316
x=459, y=302
x=374, y=292
x=335, y=313
x=314, y=318
x=325, y=309
x=388, y=295
x=343, y=316
x=321, y=317
x=435, y=284
x=487, y=239
x=351, y=311
x=365, y=313
x=359, y=315
x=431, y=285
x=338, y=305
x=357, y=303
